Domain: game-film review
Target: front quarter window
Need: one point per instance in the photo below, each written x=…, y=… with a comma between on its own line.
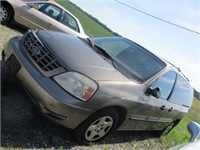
x=165, y=83
x=40, y=5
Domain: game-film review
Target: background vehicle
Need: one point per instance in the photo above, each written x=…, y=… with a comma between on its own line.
x=98, y=85
x=40, y=15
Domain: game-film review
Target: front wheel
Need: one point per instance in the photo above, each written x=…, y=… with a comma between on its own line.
x=97, y=127
x=5, y=14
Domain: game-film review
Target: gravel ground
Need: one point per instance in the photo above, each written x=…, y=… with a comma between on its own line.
x=23, y=127
x=6, y=33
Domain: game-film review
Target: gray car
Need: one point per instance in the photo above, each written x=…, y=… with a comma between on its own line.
x=98, y=85
x=40, y=15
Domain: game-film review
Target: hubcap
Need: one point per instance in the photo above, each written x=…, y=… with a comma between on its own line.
x=3, y=14
x=99, y=128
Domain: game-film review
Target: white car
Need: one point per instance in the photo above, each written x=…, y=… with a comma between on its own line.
x=46, y=14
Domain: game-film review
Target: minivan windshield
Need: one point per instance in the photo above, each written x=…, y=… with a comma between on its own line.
x=130, y=58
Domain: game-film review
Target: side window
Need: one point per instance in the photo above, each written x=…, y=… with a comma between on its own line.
x=40, y=5
x=36, y=5
x=69, y=21
x=50, y=10
x=182, y=93
x=165, y=83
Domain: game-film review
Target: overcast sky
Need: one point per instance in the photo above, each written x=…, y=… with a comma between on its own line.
x=179, y=46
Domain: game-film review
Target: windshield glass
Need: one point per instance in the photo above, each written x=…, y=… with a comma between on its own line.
x=131, y=59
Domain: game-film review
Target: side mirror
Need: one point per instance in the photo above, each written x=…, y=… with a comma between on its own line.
x=154, y=92
x=35, y=6
x=194, y=129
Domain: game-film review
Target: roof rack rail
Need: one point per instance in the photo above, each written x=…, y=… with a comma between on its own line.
x=182, y=73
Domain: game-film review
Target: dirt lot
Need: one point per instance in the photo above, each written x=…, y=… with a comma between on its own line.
x=23, y=127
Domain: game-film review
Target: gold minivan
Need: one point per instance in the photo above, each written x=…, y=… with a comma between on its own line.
x=98, y=85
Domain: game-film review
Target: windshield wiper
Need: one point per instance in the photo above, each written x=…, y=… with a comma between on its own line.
x=101, y=51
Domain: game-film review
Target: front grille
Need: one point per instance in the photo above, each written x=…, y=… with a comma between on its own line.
x=39, y=53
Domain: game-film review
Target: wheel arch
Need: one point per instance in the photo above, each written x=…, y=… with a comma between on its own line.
x=122, y=112
x=114, y=111
x=165, y=130
x=10, y=6
x=177, y=121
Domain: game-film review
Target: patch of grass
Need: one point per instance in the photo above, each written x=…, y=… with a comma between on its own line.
x=61, y=147
x=180, y=133
x=194, y=112
x=106, y=147
x=89, y=25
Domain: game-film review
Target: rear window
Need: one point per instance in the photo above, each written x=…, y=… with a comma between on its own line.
x=182, y=93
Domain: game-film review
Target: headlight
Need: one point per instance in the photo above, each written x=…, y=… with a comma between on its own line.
x=77, y=84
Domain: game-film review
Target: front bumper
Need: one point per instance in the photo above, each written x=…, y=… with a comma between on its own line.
x=55, y=103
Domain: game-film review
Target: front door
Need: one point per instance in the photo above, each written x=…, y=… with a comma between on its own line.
x=160, y=117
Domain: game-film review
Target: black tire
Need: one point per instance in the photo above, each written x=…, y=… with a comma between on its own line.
x=167, y=129
x=6, y=14
x=97, y=127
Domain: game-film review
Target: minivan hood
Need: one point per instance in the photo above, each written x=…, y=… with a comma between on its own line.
x=76, y=55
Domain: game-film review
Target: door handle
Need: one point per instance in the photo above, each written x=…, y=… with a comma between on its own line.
x=170, y=109
x=162, y=107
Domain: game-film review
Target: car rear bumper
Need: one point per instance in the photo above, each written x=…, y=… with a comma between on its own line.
x=55, y=103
